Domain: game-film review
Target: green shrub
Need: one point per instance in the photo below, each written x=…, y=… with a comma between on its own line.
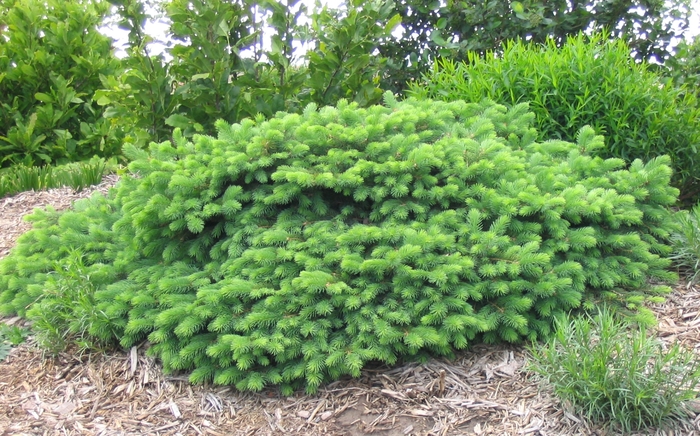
x=588, y=81
x=686, y=243
x=611, y=372
x=683, y=68
x=51, y=59
x=293, y=251
x=219, y=67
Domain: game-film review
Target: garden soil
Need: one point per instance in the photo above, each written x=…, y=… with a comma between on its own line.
x=483, y=391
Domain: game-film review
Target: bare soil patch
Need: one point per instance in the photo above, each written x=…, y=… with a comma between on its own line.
x=483, y=391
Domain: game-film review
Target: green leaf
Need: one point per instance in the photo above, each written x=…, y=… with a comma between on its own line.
x=103, y=100
x=43, y=97
x=178, y=120
x=392, y=24
x=437, y=38
x=223, y=29
x=5, y=350
x=276, y=44
x=201, y=76
x=517, y=7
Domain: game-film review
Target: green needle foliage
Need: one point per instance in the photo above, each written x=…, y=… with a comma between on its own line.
x=611, y=372
x=296, y=250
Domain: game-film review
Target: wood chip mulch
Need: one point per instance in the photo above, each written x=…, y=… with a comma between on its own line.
x=483, y=391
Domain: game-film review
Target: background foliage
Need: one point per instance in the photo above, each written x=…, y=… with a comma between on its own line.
x=684, y=66
x=454, y=29
x=76, y=100
x=77, y=175
x=222, y=69
x=51, y=59
x=587, y=81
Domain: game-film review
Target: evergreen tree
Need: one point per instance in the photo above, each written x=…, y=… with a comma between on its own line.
x=294, y=251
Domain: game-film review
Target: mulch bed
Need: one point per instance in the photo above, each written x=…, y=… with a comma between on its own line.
x=483, y=391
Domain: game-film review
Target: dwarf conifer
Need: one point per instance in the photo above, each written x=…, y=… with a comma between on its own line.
x=295, y=250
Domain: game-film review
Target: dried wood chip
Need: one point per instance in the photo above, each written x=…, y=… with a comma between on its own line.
x=174, y=409
x=64, y=408
x=134, y=360
x=421, y=412
x=393, y=394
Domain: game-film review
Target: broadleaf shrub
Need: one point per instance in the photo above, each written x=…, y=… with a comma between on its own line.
x=296, y=250
x=587, y=81
x=51, y=59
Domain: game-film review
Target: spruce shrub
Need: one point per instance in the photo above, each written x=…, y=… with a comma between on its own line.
x=588, y=81
x=297, y=250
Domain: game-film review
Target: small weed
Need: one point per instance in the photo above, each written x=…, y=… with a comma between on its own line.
x=11, y=336
x=614, y=373
x=67, y=313
x=4, y=350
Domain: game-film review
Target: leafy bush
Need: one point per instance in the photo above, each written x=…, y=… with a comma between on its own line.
x=686, y=243
x=450, y=30
x=51, y=60
x=612, y=372
x=77, y=175
x=684, y=67
x=588, y=81
x=296, y=250
x=220, y=66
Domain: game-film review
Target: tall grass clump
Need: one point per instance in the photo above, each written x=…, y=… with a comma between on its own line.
x=589, y=81
x=77, y=175
x=686, y=243
x=614, y=373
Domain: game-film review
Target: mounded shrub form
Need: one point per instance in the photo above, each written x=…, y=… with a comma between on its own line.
x=298, y=250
